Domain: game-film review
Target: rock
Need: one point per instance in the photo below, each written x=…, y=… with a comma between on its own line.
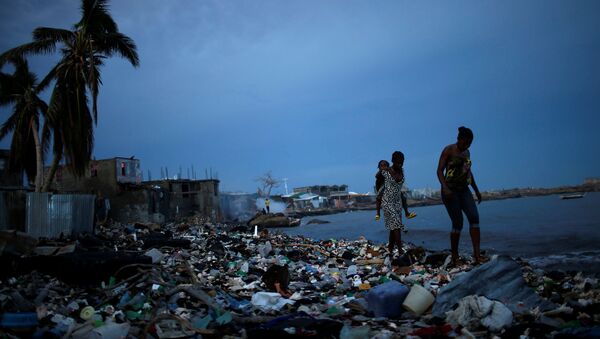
x=436, y=259
x=557, y=276
x=500, y=279
x=276, y=274
x=348, y=255
x=270, y=220
x=317, y=221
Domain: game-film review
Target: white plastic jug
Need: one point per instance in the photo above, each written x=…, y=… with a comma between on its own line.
x=418, y=300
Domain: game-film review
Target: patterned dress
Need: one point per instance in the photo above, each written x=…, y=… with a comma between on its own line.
x=391, y=202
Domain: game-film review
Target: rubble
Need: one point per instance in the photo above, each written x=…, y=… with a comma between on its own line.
x=199, y=279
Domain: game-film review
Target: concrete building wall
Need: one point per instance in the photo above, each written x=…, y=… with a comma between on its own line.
x=187, y=197
x=8, y=179
x=102, y=176
x=99, y=177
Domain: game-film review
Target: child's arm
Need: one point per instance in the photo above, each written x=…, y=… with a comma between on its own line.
x=378, y=202
x=404, y=203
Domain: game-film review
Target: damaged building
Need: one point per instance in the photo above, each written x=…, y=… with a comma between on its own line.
x=188, y=196
x=119, y=180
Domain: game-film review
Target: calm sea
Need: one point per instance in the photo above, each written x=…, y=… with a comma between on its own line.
x=550, y=232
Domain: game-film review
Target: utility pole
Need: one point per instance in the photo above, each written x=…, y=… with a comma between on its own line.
x=285, y=185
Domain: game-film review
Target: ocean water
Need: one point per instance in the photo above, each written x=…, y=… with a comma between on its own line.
x=550, y=232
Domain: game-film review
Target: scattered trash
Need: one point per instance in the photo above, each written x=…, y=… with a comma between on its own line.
x=473, y=311
x=196, y=278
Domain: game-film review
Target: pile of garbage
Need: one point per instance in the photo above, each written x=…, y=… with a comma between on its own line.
x=196, y=279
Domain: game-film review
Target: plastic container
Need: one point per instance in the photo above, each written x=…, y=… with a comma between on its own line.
x=418, y=300
x=385, y=300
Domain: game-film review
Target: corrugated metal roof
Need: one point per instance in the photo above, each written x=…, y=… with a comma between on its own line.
x=49, y=215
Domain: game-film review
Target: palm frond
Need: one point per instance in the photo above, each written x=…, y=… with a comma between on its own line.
x=118, y=43
x=7, y=89
x=9, y=125
x=96, y=18
x=52, y=34
x=36, y=47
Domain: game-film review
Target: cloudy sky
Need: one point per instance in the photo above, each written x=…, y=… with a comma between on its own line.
x=319, y=91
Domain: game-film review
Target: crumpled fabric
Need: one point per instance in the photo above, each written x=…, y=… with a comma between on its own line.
x=267, y=301
x=473, y=311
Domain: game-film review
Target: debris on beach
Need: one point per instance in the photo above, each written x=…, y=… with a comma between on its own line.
x=195, y=279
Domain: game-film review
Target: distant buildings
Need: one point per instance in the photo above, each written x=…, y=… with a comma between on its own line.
x=323, y=190
x=131, y=199
x=422, y=193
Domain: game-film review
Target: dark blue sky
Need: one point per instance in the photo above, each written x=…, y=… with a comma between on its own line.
x=319, y=91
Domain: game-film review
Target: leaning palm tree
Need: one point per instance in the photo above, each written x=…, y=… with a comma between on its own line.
x=21, y=90
x=77, y=79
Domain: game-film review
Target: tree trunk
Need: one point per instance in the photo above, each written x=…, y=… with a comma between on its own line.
x=39, y=158
x=51, y=172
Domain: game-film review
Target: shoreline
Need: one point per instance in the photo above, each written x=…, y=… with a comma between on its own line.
x=487, y=196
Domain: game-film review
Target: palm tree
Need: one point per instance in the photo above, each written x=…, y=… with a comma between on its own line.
x=21, y=90
x=77, y=77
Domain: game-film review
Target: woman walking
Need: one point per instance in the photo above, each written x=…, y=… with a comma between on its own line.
x=455, y=175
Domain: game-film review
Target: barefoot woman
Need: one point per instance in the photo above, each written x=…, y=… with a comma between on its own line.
x=455, y=175
x=392, y=201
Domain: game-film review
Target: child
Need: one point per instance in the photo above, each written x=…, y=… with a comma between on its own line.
x=384, y=165
x=379, y=181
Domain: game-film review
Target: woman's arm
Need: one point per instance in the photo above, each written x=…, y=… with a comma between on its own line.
x=475, y=188
x=440, y=171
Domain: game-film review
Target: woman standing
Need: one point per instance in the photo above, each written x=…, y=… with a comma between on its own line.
x=455, y=175
x=391, y=201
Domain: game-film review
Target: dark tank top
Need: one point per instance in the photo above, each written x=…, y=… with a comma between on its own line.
x=458, y=171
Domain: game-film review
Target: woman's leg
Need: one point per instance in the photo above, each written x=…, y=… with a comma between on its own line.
x=391, y=244
x=470, y=208
x=398, y=240
x=453, y=207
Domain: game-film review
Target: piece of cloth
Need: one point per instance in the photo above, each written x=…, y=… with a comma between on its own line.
x=458, y=171
x=391, y=202
x=473, y=311
x=461, y=200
